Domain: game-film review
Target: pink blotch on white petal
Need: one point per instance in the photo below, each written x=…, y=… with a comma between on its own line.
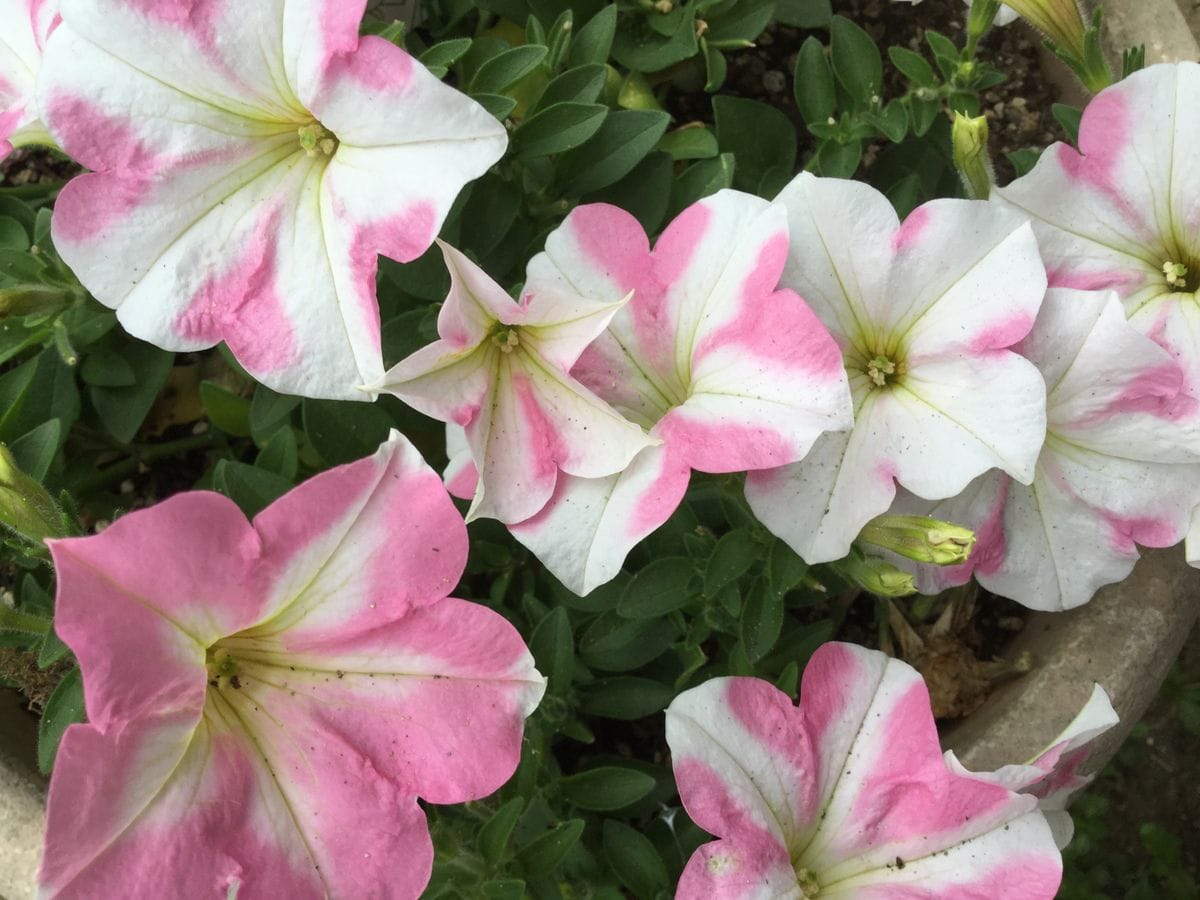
x=353, y=685
x=832, y=793
x=194, y=118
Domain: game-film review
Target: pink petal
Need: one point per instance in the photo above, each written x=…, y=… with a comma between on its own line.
x=360, y=544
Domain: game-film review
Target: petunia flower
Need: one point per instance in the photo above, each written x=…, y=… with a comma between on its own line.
x=250, y=162
x=25, y=26
x=726, y=370
x=1123, y=212
x=925, y=314
x=267, y=700
x=1054, y=775
x=500, y=370
x=1117, y=469
x=847, y=795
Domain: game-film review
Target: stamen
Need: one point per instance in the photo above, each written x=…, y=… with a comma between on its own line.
x=879, y=368
x=1175, y=274
x=506, y=340
x=316, y=141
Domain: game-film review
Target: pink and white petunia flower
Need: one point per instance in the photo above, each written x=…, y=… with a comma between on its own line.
x=25, y=26
x=500, y=370
x=1123, y=212
x=1115, y=471
x=268, y=700
x=847, y=795
x=250, y=160
x=1054, y=775
x=725, y=369
x=926, y=313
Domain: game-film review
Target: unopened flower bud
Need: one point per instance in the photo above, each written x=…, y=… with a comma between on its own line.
x=876, y=575
x=919, y=538
x=32, y=300
x=25, y=506
x=969, y=139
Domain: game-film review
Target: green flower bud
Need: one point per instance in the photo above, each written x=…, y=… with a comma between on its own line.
x=876, y=575
x=25, y=506
x=969, y=138
x=33, y=299
x=919, y=538
x=1059, y=20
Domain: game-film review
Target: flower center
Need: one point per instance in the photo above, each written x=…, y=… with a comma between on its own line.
x=316, y=140
x=222, y=669
x=881, y=369
x=809, y=886
x=1180, y=277
x=505, y=337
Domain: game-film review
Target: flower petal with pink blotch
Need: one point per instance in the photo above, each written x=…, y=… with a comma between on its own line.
x=266, y=708
x=926, y=312
x=849, y=790
x=500, y=370
x=589, y=525
x=1054, y=774
x=729, y=372
x=1114, y=214
x=1114, y=472
x=734, y=372
x=193, y=117
x=25, y=26
x=460, y=475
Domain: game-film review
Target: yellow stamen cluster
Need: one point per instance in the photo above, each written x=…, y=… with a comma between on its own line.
x=316, y=141
x=506, y=339
x=879, y=368
x=1175, y=274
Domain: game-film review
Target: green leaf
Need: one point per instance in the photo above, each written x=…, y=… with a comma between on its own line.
x=759, y=136
x=18, y=266
x=542, y=855
x=34, y=451
x=762, y=620
x=593, y=42
x=557, y=128
x=251, y=488
x=856, y=61
x=582, y=84
x=52, y=649
x=107, y=368
x=1024, y=160
x=559, y=42
x=225, y=409
x=496, y=832
x=13, y=235
x=744, y=21
x=701, y=179
x=621, y=142
x=625, y=697
x=653, y=41
x=280, y=455
x=914, y=66
x=715, y=67
x=659, y=588
x=123, y=409
x=892, y=120
x=64, y=708
x=497, y=104
x=488, y=215
x=785, y=570
x=606, y=788
x=690, y=142
x=733, y=556
x=613, y=643
x=506, y=69
x=837, y=160
x=816, y=96
x=1069, y=118
x=269, y=412
x=804, y=13
x=445, y=54
x=945, y=53
x=553, y=647
x=343, y=431
x=503, y=889
x=634, y=859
